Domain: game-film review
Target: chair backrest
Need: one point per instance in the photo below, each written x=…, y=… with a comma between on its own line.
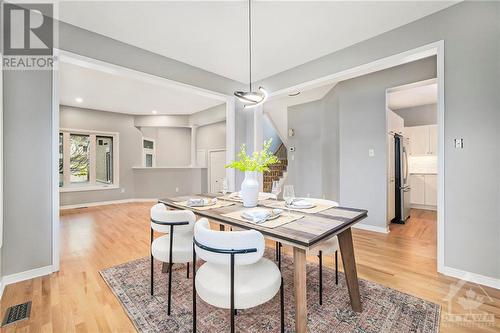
x=323, y=201
x=228, y=240
x=161, y=214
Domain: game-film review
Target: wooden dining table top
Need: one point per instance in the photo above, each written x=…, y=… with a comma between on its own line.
x=304, y=232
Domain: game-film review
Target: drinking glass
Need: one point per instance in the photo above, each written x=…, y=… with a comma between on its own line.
x=225, y=186
x=276, y=189
x=288, y=196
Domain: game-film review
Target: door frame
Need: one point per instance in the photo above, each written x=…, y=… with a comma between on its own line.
x=209, y=166
x=431, y=49
x=92, y=63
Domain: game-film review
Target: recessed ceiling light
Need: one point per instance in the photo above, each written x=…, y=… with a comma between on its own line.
x=154, y=112
x=79, y=100
x=293, y=94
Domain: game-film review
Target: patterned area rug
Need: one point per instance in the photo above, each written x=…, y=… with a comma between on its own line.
x=384, y=309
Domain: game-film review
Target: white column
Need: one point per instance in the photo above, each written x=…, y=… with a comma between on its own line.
x=258, y=135
x=193, y=145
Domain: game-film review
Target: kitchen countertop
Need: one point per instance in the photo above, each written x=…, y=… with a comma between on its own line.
x=423, y=173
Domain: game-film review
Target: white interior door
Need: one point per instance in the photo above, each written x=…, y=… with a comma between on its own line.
x=217, y=172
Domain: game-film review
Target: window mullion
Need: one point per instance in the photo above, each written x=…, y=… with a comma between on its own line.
x=66, y=159
x=92, y=162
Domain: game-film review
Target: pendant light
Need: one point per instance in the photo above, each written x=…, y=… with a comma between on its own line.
x=250, y=98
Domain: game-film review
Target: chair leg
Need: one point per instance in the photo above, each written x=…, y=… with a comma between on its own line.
x=282, y=306
x=336, y=268
x=152, y=263
x=170, y=270
x=232, y=293
x=320, y=256
x=276, y=244
x=187, y=270
x=279, y=255
x=194, y=290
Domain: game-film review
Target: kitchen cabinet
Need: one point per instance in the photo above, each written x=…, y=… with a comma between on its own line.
x=423, y=190
x=395, y=124
x=423, y=139
x=430, y=195
x=417, y=192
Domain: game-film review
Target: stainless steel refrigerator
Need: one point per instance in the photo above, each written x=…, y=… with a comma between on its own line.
x=402, y=190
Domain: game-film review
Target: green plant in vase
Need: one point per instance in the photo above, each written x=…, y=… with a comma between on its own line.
x=258, y=162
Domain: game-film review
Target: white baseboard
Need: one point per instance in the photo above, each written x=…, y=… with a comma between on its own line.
x=103, y=203
x=2, y=287
x=26, y=275
x=371, y=228
x=424, y=207
x=471, y=277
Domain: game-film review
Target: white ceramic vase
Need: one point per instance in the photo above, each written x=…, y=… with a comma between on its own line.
x=250, y=189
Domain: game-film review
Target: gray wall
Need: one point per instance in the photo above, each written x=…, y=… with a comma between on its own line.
x=419, y=115
x=130, y=150
x=211, y=136
x=27, y=171
x=471, y=34
x=362, y=124
x=173, y=147
x=305, y=163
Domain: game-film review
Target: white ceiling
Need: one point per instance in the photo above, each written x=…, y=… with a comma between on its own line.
x=304, y=97
x=415, y=96
x=108, y=92
x=213, y=35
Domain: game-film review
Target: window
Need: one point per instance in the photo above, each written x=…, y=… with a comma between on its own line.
x=148, y=152
x=87, y=160
x=79, y=158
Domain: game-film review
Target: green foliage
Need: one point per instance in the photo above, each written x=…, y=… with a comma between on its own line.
x=259, y=161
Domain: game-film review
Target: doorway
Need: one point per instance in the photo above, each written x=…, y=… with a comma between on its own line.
x=412, y=200
x=216, y=170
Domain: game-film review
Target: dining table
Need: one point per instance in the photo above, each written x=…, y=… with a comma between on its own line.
x=301, y=234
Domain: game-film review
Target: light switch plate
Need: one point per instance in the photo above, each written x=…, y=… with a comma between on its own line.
x=459, y=143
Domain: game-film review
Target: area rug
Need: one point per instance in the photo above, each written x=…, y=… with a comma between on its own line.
x=384, y=309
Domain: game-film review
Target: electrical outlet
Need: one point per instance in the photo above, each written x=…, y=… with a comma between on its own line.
x=176, y=189
x=122, y=190
x=371, y=152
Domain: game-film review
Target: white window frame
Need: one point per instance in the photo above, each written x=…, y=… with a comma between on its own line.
x=146, y=151
x=92, y=185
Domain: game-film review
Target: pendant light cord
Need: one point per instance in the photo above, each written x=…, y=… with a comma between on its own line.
x=250, y=39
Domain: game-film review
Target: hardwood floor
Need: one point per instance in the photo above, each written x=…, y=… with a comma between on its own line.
x=77, y=299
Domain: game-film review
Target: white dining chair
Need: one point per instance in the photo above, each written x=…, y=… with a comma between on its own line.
x=235, y=274
x=174, y=247
x=326, y=247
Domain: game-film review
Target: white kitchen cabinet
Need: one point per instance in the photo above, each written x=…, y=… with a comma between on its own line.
x=430, y=194
x=395, y=123
x=423, y=139
x=417, y=192
x=432, y=139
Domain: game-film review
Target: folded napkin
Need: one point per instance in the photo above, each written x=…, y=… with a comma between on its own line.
x=260, y=215
x=200, y=202
x=302, y=203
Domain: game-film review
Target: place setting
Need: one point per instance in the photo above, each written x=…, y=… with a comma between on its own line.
x=204, y=203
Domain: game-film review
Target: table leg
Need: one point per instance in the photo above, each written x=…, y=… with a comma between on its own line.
x=299, y=264
x=347, y=252
x=164, y=267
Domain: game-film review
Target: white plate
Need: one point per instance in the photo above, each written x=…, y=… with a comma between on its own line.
x=302, y=204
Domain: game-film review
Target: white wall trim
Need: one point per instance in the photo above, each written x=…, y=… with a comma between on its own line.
x=471, y=277
x=26, y=275
x=105, y=203
x=2, y=287
x=373, y=228
x=76, y=59
x=436, y=48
